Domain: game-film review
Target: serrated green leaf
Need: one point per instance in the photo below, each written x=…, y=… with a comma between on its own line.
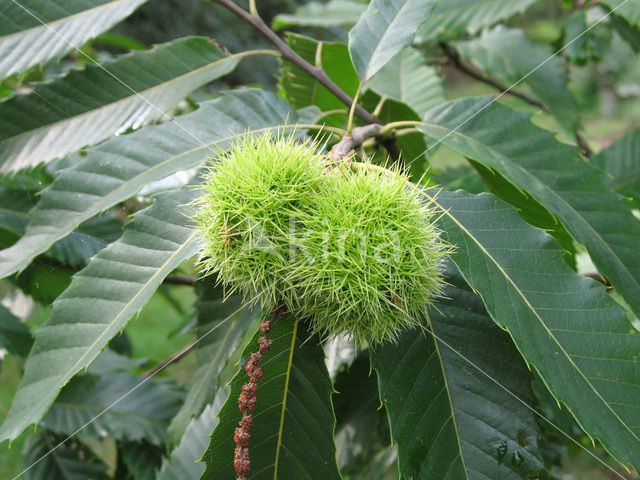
x=528, y=208
x=293, y=422
x=323, y=15
x=72, y=461
x=383, y=30
x=507, y=54
x=628, y=9
x=451, y=421
x=183, y=462
x=88, y=105
x=32, y=32
x=565, y=325
x=99, y=302
x=231, y=322
x=554, y=174
x=144, y=413
x=301, y=90
x=117, y=169
x=73, y=250
x=408, y=79
x=450, y=19
x=15, y=337
x=621, y=163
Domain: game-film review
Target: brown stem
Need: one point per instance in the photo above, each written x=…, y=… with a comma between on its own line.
x=292, y=56
x=357, y=137
x=457, y=62
x=455, y=59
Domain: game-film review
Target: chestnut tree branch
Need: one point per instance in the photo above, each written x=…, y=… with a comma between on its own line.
x=292, y=56
x=457, y=62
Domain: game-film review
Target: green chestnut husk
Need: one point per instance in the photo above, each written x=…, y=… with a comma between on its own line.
x=350, y=250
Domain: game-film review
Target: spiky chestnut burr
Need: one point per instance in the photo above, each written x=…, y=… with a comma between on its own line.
x=350, y=251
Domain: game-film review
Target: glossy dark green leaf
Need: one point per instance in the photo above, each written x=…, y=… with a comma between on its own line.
x=71, y=461
x=99, y=302
x=383, y=30
x=450, y=420
x=554, y=174
x=134, y=408
x=293, y=422
x=88, y=105
x=221, y=327
x=565, y=325
x=118, y=168
x=32, y=32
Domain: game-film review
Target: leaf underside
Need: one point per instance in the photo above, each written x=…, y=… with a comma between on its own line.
x=32, y=32
x=99, y=302
x=117, y=169
x=88, y=105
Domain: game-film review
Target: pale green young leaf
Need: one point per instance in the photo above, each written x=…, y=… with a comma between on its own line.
x=322, y=15
x=88, y=105
x=383, y=30
x=99, y=302
x=33, y=32
x=119, y=168
x=301, y=90
x=408, y=79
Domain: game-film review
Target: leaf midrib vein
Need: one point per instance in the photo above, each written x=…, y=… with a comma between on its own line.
x=531, y=308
